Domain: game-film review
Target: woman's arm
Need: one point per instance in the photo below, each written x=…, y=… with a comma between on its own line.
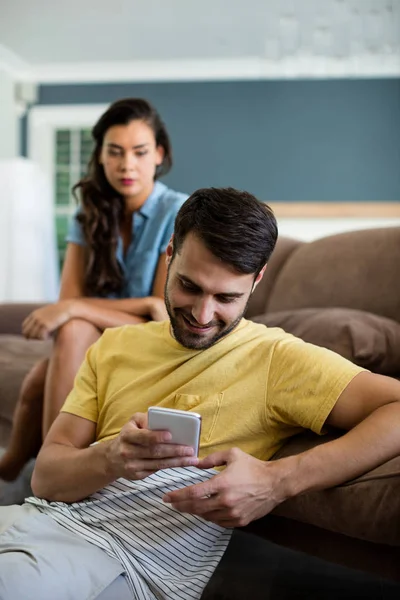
x=106, y=312
x=101, y=312
x=43, y=321
x=151, y=306
x=73, y=272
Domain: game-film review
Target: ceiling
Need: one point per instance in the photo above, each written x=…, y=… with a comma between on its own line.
x=83, y=40
x=45, y=31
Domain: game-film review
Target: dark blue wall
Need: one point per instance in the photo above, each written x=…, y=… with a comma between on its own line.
x=333, y=140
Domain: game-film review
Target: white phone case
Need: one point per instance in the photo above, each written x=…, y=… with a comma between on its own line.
x=184, y=426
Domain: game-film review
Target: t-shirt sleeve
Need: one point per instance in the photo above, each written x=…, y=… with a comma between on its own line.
x=305, y=382
x=83, y=398
x=75, y=233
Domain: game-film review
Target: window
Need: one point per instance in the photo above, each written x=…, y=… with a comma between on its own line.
x=73, y=148
x=59, y=141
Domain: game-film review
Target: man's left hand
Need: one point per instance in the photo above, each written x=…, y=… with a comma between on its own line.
x=246, y=490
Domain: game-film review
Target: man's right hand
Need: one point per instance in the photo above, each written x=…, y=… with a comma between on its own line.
x=138, y=452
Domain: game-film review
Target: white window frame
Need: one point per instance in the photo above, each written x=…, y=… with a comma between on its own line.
x=44, y=121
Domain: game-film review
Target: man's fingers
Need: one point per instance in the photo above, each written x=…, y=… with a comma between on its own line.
x=151, y=466
x=201, y=506
x=138, y=432
x=192, y=492
x=216, y=459
x=140, y=420
x=132, y=434
x=162, y=451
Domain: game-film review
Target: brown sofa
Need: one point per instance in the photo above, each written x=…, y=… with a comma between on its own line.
x=342, y=292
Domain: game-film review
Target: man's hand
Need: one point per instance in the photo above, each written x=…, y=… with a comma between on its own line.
x=246, y=490
x=138, y=452
x=43, y=321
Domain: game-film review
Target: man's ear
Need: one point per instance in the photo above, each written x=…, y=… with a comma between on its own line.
x=258, y=278
x=169, y=251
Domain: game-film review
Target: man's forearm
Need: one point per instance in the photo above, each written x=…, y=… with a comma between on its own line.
x=67, y=474
x=371, y=443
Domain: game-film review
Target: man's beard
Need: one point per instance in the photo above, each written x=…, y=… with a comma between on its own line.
x=192, y=340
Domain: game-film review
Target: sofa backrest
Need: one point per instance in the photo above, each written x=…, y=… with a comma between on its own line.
x=13, y=313
x=260, y=298
x=358, y=269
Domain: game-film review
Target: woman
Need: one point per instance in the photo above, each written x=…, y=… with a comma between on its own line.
x=114, y=270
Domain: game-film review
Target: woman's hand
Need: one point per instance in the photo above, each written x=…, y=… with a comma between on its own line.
x=41, y=323
x=157, y=310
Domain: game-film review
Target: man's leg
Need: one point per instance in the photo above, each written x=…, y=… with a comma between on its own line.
x=41, y=559
x=117, y=590
x=9, y=515
x=258, y=569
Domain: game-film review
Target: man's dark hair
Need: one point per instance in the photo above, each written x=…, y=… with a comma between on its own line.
x=235, y=226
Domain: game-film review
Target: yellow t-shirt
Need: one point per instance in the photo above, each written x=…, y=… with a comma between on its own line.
x=254, y=388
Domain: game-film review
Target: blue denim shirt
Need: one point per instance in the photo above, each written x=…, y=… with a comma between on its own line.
x=152, y=227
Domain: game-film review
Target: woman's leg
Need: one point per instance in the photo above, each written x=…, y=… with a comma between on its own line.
x=26, y=433
x=70, y=346
x=42, y=394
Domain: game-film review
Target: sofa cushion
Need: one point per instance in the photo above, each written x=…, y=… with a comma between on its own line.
x=367, y=507
x=368, y=340
x=17, y=357
x=13, y=314
x=357, y=269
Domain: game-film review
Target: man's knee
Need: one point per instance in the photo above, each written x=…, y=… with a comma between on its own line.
x=41, y=559
x=117, y=590
x=19, y=577
x=10, y=515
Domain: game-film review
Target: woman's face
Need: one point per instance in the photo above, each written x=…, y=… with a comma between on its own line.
x=129, y=156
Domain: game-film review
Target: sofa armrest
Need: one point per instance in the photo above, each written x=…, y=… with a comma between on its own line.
x=13, y=314
x=367, y=508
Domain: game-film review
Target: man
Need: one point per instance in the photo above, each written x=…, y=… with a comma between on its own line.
x=135, y=516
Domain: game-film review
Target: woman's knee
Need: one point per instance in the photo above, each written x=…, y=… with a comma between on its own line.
x=75, y=335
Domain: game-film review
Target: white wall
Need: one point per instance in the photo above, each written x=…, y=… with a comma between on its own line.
x=9, y=122
x=308, y=229
x=28, y=252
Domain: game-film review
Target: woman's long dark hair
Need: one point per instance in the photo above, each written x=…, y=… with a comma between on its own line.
x=102, y=207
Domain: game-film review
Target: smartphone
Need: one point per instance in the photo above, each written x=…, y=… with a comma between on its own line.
x=184, y=426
